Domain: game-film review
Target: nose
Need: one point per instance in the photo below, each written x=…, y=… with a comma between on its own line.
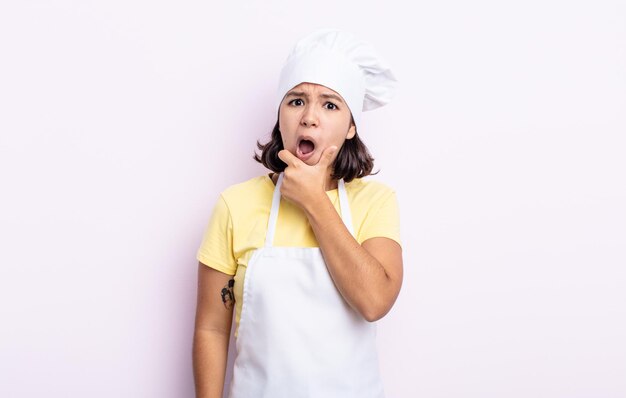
x=309, y=117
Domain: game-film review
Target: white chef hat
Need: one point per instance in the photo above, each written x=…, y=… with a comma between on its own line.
x=343, y=63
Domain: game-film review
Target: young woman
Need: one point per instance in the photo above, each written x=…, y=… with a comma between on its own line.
x=314, y=249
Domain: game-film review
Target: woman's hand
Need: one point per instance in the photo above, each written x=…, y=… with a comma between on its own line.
x=302, y=184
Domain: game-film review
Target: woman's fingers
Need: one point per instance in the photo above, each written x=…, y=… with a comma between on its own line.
x=289, y=158
x=327, y=157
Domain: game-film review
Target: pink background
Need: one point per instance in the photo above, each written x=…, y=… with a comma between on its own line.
x=121, y=121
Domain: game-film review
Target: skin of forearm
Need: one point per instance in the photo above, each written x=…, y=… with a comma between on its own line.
x=359, y=277
x=210, y=353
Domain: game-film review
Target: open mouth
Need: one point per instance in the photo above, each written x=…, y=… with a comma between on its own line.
x=305, y=148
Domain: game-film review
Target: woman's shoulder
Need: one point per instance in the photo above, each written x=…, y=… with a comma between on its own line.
x=371, y=199
x=366, y=187
x=246, y=191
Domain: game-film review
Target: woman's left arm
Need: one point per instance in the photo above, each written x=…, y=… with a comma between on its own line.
x=368, y=276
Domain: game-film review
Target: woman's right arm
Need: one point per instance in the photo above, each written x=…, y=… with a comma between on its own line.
x=212, y=332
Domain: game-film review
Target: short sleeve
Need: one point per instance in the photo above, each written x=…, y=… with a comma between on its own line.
x=383, y=219
x=216, y=249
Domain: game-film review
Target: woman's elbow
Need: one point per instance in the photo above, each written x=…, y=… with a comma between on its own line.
x=379, y=306
x=373, y=317
x=374, y=313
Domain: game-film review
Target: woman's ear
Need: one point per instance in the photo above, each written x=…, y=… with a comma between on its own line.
x=351, y=131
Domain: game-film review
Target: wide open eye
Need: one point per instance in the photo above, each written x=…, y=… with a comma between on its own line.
x=298, y=100
x=332, y=106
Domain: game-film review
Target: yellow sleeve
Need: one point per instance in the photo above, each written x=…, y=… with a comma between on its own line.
x=383, y=219
x=216, y=249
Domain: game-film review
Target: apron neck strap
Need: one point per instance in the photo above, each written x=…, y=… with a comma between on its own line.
x=344, y=206
x=346, y=214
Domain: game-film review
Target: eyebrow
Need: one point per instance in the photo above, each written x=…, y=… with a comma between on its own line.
x=303, y=94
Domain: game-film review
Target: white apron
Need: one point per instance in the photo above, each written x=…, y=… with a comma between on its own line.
x=297, y=335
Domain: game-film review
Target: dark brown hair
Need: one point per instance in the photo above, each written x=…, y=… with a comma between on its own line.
x=352, y=161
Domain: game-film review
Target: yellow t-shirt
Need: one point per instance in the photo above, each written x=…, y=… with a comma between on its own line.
x=240, y=216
